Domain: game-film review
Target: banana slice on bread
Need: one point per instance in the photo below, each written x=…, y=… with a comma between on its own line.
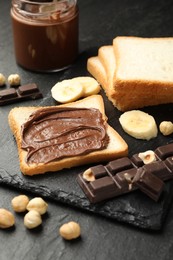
x=72, y=89
x=139, y=124
x=67, y=91
x=90, y=85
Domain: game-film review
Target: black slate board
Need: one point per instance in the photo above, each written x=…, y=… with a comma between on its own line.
x=135, y=208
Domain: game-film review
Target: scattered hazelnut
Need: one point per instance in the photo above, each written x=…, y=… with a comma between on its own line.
x=147, y=157
x=37, y=204
x=6, y=218
x=70, y=230
x=19, y=203
x=166, y=127
x=2, y=80
x=32, y=219
x=88, y=175
x=14, y=80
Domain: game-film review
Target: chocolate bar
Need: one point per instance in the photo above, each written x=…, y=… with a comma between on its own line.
x=25, y=92
x=125, y=175
x=148, y=183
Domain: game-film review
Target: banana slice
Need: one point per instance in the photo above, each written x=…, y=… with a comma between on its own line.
x=139, y=124
x=67, y=91
x=90, y=85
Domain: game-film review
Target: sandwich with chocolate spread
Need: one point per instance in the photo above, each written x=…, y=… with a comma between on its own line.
x=53, y=138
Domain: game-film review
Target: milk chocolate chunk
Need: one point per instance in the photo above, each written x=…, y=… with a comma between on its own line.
x=169, y=164
x=119, y=165
x=159, y=169
x=126, y=175
x=28, y=89
x=98, y=171
x=148, y=183
x=106, y=187
x=105, y=184
x=125, y=179
x=164, y=151
x=137, y=160
x=7, y=94
x=25, y=92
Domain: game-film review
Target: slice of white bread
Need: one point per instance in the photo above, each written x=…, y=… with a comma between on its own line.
x=97, y=70
x=107, y=58
x=102, y=67
x=144, y=72
x=117, y=147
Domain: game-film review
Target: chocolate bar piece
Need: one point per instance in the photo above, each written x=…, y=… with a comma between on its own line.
x=25, y=92
x=164, y=151
x=148, y=183
x=125, y=175
x=159, y=169
x=8, y=94
x=119, y=165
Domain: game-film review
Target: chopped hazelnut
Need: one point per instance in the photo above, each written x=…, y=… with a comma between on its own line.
x=128, y=178
x=88, y=175
x=147, y=157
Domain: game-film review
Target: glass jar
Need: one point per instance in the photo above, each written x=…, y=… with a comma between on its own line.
x=45, y=34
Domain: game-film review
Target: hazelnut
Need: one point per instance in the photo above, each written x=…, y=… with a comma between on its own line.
x=19, y=203
x=6, y=218
x=37, y=204
x=88, y=175
x=14, y=80
x=70, y=230
x=32, y=219
x=147, y=157
x=166, y=127
x=129, y=179
x=2, y=79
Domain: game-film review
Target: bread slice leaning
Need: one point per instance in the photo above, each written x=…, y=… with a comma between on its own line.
x=96, y=68
x=144, y=71
x=108, y=60
x=117, y=147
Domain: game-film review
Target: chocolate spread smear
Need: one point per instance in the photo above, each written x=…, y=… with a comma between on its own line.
x=54, y=133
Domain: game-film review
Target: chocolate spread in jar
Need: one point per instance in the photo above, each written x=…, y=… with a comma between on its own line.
x=54, y=133
x=45, y=40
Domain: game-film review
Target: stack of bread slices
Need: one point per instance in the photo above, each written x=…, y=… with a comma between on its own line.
x=135, y=72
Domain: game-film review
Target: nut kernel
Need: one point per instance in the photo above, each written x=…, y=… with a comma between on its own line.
x=2, y=79
x=70, y=230
x=32, y=219
x=19, y=203
x=166, y=127
x=147, y=157
x=129, y=180
x=88, y=175
x=14, y=80
x=6, y=218
x=37, y=204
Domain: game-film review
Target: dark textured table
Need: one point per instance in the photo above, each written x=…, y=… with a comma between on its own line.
x=102, y=238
